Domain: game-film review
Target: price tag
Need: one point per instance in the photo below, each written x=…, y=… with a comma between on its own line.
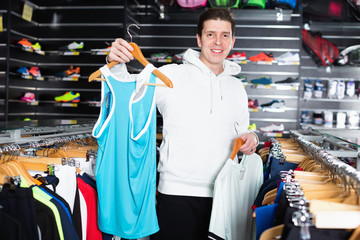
x=1, y=23
x=27, y=12
x=254, y=110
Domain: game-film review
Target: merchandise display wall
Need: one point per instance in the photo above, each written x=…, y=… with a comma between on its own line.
x=164, y=31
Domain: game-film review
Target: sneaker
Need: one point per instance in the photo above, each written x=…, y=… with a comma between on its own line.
x=350, y=88
x=23, y=71
x=332, y=89
x=317, y=118
x=288, y=58
x=101, y=50
x=253, y=103
x=28, y=97
x=328, y=119
x=158, y=56
x=68, y=97
x=274, y=106
x=35, y=71
x=73, y=46
x=261, y=81
x=340, y=119
x=340, y=90
x=318, y=92
x=353, y=119
x=278, y=128
x=305, y=117
x=252, y=127
x=24, y=43
x=73, y=72
x=262, y=57
x=236, y=56
x=36, y=47
x=179, y=56
x=308, y=89
x=288, y=80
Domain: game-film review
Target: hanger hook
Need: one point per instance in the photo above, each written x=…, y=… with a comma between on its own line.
x=128, y=30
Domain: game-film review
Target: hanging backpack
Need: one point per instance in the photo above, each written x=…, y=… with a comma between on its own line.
x=253, y=4
x=191, y=3
x=224, y=3
x=322, y=51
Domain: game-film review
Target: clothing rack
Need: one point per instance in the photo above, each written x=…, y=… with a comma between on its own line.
x=344, y=171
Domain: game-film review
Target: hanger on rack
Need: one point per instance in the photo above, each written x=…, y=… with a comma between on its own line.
x=140, y=57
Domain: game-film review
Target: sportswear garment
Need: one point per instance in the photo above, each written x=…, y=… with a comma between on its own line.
x=83, y=211
x=236, y=188
x=67, y=184
x=207, y=106
x=45, y=219
x=191, y=213
x=125, y=169
x=19, y=203
x=265, y=216
x=92, y=230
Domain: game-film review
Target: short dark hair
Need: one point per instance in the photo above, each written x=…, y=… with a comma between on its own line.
x=215, y=14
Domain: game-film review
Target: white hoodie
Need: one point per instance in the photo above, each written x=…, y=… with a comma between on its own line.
x=199, y=117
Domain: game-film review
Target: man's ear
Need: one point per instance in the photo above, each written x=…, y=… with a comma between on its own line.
x=198, y=40
x=232, y=43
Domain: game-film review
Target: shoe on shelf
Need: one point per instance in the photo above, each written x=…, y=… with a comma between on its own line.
x=73, y=46
x=288, y=58
x=68, y=97
x=24, y=43
x=340, y=90
x=23, y=71
x=278, y=128
x=319, y=86
x=253, y=103
x=308, y=89
x=179, y=56
x=288, y=80
x=236, y=56
x=274, y=106
x=28, y=97
x=261, y=81
x=350, y=88
x=263, y=57
x=353, y=119
x=73, y=72
x=161, y=57
x=328, y=118
x=305, y=117
x=252, y=127
x=36, y=47
x=35, y=71
x=340, y=119
x=332, y=89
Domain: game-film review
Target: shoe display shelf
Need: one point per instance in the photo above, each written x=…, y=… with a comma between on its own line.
x=337, y=102
x=51, y=26
x=3, y=58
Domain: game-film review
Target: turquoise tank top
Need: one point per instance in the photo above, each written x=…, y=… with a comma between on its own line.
x=125, y=169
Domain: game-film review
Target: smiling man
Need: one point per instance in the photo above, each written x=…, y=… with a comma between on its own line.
x=205, y=111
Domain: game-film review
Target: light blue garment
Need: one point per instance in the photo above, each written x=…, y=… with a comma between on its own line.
x=125, y=170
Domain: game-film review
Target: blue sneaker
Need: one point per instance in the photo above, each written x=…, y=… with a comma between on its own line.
x=318, y=92
x=23, y=71
x=262, y=80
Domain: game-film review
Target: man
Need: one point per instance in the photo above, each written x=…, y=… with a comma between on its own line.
x=203, y=114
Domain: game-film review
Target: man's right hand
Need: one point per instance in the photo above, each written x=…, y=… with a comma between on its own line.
x=120, y=51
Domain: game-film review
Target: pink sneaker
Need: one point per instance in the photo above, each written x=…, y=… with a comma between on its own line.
x=236, y=56
x=28, y=97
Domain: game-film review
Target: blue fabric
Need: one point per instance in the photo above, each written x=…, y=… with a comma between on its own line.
x=56, y=199
x=126, y=160
x=265, y=216
x=276, y=167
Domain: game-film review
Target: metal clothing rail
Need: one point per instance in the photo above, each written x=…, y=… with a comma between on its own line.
x=344, y=171
x=45, y=140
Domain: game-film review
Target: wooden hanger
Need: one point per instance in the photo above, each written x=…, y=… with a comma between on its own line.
x=272, y=233
x=140, y=57
x=237, y=145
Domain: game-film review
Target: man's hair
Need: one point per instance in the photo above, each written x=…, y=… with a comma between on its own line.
x=223, y=14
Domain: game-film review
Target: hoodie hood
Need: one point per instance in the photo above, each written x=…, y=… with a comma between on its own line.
x=193, y=57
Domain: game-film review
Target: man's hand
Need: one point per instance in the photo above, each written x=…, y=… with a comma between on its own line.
x=250, y=143
x=120, y=51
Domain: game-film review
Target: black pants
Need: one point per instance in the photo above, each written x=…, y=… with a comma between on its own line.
x=182, y=217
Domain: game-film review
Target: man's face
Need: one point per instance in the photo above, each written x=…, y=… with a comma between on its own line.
x=215, y=43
